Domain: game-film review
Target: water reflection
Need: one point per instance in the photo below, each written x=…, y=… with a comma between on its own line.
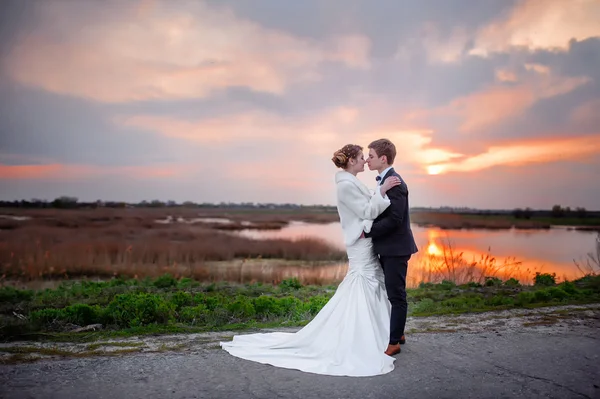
x=509, y=253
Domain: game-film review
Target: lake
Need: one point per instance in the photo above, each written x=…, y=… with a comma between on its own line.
x=517, y=253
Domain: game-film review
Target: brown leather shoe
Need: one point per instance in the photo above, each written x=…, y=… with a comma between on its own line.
x=402, y=340
x=393, y=350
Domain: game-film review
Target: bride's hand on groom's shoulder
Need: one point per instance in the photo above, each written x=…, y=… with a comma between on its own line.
x=390, y=182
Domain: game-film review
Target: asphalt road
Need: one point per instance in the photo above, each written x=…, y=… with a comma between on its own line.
x=515, y=364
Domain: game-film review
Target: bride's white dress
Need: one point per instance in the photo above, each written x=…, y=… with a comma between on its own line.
x=350, y=334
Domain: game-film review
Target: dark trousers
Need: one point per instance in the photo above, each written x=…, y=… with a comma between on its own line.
x=394, y=269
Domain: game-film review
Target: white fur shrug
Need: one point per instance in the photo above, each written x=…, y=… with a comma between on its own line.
x=357, y=206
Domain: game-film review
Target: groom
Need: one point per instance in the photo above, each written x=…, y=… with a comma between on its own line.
x=392, y=239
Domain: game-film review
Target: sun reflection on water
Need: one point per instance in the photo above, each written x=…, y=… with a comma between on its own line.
x=463, y=254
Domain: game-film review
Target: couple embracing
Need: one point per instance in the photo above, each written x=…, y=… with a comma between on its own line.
x=361, y=328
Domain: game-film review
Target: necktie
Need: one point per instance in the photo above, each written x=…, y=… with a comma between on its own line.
x=378, y=178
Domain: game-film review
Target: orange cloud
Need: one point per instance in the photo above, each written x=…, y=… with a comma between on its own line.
x=160, y=50
x=29, y=171
x=540, y=24
x=320, y=129
x=522, y=153
x=494, y=104
x=70, y=171
x=412, y=146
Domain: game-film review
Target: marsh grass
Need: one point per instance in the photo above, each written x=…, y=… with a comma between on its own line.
x=43, y=253
x=108, y=243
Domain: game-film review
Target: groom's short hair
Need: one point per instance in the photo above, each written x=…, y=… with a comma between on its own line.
x=384, y=147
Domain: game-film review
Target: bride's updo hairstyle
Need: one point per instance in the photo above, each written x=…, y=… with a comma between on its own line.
x=343, y=155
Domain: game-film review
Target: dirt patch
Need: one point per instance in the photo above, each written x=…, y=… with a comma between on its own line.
x=554, y=318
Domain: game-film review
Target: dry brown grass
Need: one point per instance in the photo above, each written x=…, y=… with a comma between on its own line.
x=108, y=242
x=128, y=242
x=143, y=216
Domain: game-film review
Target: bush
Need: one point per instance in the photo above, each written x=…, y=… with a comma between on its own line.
x=525, y=298
x=194, y=315
x=181, y=299
x=211, y=287
x=499, y=300
x=512, y=282
x=292, y=307
x=187, y=282
x=471, y=284
x=316, y=303
x=545, y=279
x=423, y=285
x=493, y=282
x=10, y=294
x=446, y=285
x=570, y=288
x=242, y=307
x=165, y=281
x=82, y=314
x=47, y=316
x=211, y=302
x=557, y=293
x=290, y=284
x=591, y=281
x=132, y=310
x=542, y=296
x=219, y=317
x=267, y=306
x=118, y=281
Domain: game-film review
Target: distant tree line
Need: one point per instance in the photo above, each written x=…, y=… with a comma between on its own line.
x=557, y=211
x=67, y=202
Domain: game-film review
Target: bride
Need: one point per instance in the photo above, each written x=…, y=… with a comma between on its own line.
x=350, y=334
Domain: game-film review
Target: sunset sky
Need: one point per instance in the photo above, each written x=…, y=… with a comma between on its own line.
x=491, y=104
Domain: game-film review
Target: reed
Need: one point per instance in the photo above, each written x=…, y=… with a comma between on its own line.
x=590, y=264
x=66, y=244
x=39, y=251
x=447, y=264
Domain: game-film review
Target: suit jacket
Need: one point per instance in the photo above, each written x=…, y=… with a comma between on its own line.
x=391, y=232
x=356, y=206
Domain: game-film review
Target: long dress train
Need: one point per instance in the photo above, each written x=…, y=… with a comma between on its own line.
x=347, y=337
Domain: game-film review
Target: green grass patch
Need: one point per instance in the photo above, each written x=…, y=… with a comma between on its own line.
x=166, y=305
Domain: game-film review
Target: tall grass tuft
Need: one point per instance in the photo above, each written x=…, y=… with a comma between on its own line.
x=590, y=265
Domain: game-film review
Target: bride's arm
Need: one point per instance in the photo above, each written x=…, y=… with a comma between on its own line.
x=363, y=207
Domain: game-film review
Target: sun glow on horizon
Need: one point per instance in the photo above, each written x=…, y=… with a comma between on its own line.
x=433, y=249
x=435, y=169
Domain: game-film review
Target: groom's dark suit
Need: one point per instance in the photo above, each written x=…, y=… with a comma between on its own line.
x=394, y=243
